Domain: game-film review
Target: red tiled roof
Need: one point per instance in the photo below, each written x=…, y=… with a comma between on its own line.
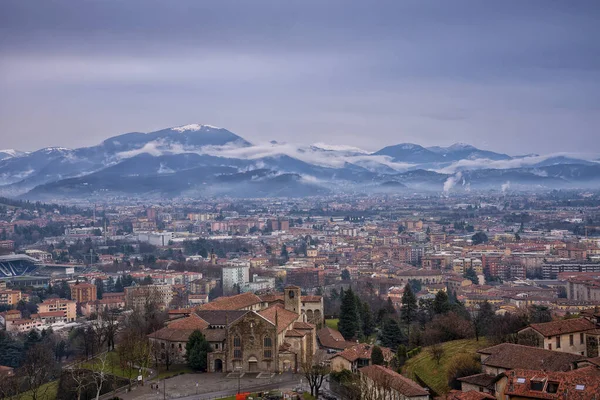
x=193, y=322
x=232, y=302
x=567, y=385
x=470, y=395
x=394, y=380
x=562, y=327
x=284, y=317
x=363, y=350
x=332, y=339
x=514, y=356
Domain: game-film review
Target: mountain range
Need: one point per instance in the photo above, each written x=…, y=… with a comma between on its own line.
x=203, y=160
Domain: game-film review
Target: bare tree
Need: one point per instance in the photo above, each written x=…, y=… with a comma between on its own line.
x=315, y=369
x=38, y=369
x=81, y=380
x=100, y=373
x=134, y=353
x=437, y=352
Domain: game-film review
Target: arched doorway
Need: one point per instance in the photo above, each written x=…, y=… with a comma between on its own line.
x=218, y=365
x=252, y=364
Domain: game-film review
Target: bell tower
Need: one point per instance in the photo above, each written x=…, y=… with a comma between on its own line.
x=292, y=299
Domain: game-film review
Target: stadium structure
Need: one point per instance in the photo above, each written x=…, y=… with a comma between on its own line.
x=18, y=265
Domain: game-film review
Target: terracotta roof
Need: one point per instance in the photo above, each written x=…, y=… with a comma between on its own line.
x=399, y=383
x=483, y=380
x=294, y=333
x=311, y=299
x=284, y=317
x=514, y=356
x=563, y=326
x=566, y=385
x=172, y=335
x=236, y=302
x=217, y=317
x=363, y=350
x=192, y=322
x=332, y=339
x=303, y=325
x=52, y=314
x=470, y=395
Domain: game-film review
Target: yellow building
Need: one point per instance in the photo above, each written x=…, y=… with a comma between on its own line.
x=68, y=307
x=10, y=297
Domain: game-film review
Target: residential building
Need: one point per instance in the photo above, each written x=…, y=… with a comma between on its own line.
x=10, y=297
x=563, y=335
x=356, y=357
x=138, y=297
x=235, y=276
x=82, y=292
x=67, y=307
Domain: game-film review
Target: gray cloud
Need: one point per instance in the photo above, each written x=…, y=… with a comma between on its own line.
x=512, y=76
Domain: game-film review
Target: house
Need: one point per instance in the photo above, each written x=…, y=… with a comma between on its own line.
x=483, y=383
x=356, y=357
x=507, y=356
x=470, y=395
x=563, y=335
x=379, y=382
x=579, y=384
x=332, y=340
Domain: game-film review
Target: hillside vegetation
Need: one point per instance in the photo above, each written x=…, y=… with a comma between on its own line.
x=433, y=375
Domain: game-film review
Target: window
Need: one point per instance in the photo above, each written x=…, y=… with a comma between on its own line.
x=558, y=342
x=537, y=385
x=570, y=340
x=579, y=387
x=237, y=347
x=552, y=387
x=267, y=345
x=581, y=338
x=520, y=380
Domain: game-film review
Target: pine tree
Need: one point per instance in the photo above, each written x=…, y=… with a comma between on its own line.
x=196, y=351
x=99, y=288
x=366, y=317
x=119, y=285
x=471, y=275
x=409, y=308
x=377, y=356
x=391, y=335
x=349, y=323
x=441, y=303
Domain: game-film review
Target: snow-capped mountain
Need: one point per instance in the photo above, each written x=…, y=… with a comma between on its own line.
x=198, y=159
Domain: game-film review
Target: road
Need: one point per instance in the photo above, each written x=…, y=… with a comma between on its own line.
x=225, y=393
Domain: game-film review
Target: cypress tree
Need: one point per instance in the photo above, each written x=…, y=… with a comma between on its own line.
x=409, y=308
x=349, y=323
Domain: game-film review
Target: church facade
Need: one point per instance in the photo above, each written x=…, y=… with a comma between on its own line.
x=247, y=336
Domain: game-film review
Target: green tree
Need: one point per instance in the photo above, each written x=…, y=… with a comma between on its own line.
x=196, y=351
x=119, y=285
x=366, y=317
x=377, y=356
x=409, y=308
x=471, y=275
x=479, y=238
x=483, y=323
x=539, y=314
x=284, y=253
x=345, y=275
x=349, y=324
x=441, y=303
x=391, y=335
x=99, y=288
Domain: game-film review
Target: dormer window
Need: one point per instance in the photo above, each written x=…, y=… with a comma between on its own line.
x=552, y=387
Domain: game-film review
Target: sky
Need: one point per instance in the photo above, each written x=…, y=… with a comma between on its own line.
x=511, y=76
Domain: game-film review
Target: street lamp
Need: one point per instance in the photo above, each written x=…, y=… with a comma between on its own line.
x=239, y=370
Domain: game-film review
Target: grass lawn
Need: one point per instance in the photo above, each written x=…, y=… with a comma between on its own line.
x=435, y=376
x=113, y=366
x=332, y=323
x=46, y=392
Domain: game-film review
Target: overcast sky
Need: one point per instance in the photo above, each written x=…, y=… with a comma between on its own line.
x=514, y=76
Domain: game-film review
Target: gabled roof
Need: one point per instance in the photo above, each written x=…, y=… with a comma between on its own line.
x=192, y=322
x=394, y=380
x=514, y=356
x=332, y=339
x=572, y=385
x=236, y=302
x=221, y=317
x=470, y=395
x=564, y=326
x=363, y=351
x=284, y=317
x=483, y=380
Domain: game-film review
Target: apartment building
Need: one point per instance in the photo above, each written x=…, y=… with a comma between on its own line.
x=82, y=292
x=68, y=307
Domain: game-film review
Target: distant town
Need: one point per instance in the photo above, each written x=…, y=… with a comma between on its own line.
x=470, y=296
